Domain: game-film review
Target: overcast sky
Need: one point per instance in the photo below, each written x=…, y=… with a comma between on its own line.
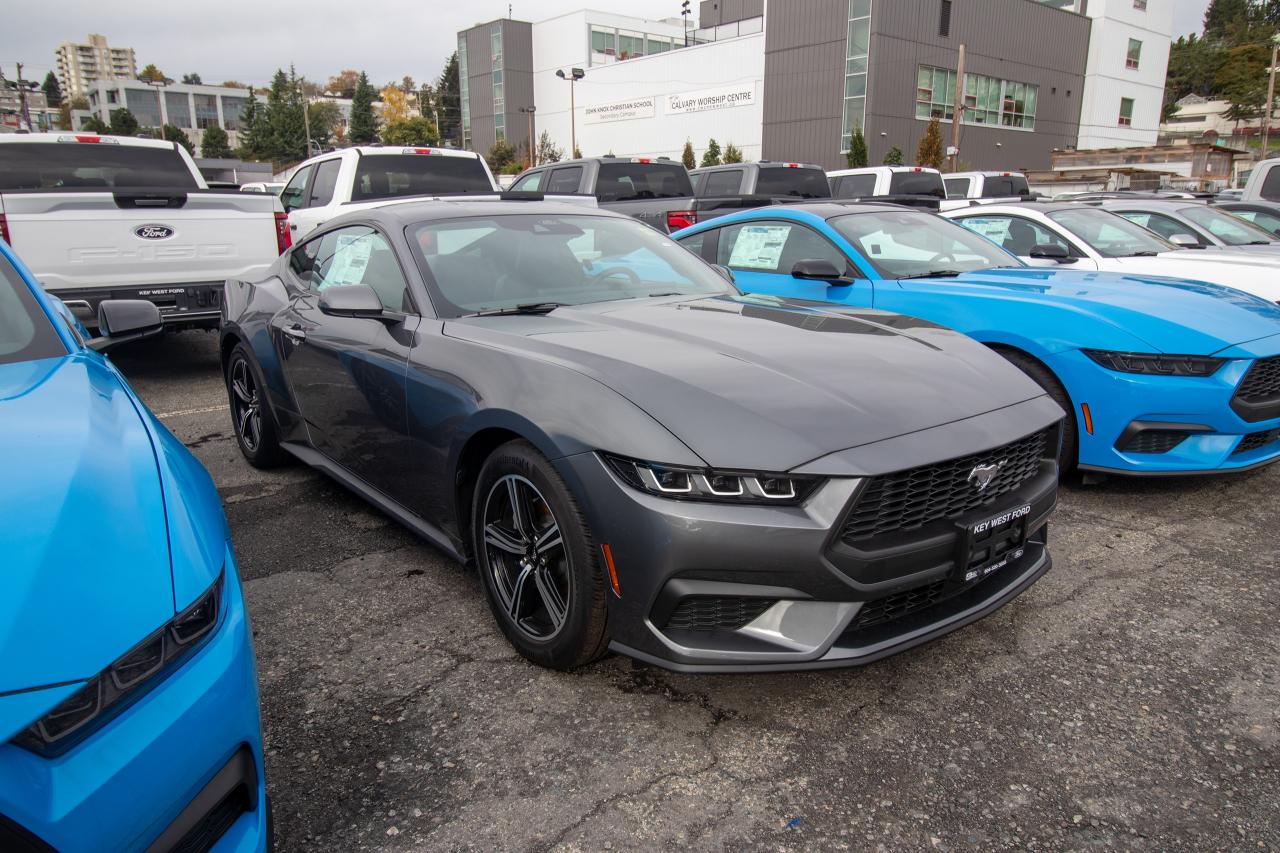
x=247, y=40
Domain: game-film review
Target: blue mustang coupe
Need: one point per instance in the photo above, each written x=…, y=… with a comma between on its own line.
x=128, y=701
x=1164, y=376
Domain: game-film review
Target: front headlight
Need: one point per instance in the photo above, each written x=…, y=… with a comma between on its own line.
x=125, y=680
x=706, y=484
x=1156, y=365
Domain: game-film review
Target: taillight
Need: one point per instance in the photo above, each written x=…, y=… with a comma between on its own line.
x=677, y=219
x=283, y=240
x=4, y=230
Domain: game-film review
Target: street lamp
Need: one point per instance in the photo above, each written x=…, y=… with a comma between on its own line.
x=685, y=12
x=574, y=75
x=529, y=111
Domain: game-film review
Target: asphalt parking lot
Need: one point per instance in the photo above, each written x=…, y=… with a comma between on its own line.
x=1130, y=700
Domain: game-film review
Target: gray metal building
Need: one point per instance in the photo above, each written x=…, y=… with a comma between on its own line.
x=888, y=65
x=495, y=76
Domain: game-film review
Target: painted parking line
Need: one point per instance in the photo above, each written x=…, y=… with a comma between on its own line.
x=182, y=412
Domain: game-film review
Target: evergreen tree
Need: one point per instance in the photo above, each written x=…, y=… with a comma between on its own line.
x=501, y=157
x=893, y=157
x=192, y=79
x=52, y=91
x=173, y=133
x=930, y=153
x=548, y=151
x=363, y=128
x=711, y=157
x=448, y=99
x=93, y=124
x=686, y=156
x=214, y=143
x=577, y=153
x=856, y=156
x=732, y=154
x=1223, y=15
x=287, y=136
x=123, y=123
x=413, y=130
x=255, y=143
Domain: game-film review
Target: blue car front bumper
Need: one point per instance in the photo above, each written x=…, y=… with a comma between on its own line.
x=185, y=757
x=1164, y=425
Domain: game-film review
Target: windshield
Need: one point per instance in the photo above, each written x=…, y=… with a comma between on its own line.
x=1110, y=235
x=87, y=165
x=787, y=181
x=495, y=262
x=25, y=331
x=902, y=244
x=636, y=181
x=917, y=183
x=1001, y=186
x=394, y=175
x=1231, y=230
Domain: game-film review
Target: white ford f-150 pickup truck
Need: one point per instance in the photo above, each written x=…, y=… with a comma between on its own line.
x=112, y=217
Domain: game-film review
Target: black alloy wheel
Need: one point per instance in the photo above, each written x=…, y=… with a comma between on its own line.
x=254, y=426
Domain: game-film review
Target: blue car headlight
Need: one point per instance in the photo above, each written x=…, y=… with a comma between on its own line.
x=127, y=679
x=1152, y=364
x=706, y=484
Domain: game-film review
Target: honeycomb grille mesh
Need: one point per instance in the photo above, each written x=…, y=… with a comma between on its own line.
x=709, y=613
x=1255, y=440
x=1262, y=383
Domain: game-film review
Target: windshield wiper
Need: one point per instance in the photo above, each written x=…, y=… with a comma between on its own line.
x=932, y=274
x=1260, y=242
x=526, y=308
x=1142, y=254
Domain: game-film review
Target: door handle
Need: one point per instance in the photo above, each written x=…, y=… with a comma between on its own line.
x=295, y=332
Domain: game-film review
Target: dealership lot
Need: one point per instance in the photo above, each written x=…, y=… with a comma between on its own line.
x=1129, y=700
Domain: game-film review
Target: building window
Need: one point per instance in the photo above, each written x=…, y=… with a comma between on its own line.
x=145, y=106
x=1134, y=55
x=178, y=109
x=944, y=19
x=855, y=71
x=495, y=47
x=1126, y=112
x=1140, y=5
x=206, y=111
x=462, y=92
x=232, y=110
x=987, y=100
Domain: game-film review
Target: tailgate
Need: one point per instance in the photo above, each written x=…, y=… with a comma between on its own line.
x=124, y=238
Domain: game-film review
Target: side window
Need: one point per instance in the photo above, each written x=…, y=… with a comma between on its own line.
x=303, y=260
x=773, y=247
x=360, y=255
x=696, y=180
x=292, y=196
x=1165, y=226
x=1015, y=234
x=325, y=182
x=855, y=186
x=1271, y=184
x=957, y=187
x=695, y=242
x=529, y=183
x=728, y=182
x=564, y=180
x=1269, y=221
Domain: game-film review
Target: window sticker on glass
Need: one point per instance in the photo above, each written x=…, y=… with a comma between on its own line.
x=995, y=230
x=350, y=258
x=759, y=247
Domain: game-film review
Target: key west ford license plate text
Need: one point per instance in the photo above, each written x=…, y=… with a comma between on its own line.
x=1001, y=520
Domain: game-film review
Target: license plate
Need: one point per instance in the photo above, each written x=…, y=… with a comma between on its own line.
x=989, y=543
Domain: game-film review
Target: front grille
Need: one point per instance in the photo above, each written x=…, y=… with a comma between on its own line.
x=1262, y=383
x=1254, y=440
x=708, y=613
x=201, y=837
x=1154, y=441
x=898, y=605
x=911, y=499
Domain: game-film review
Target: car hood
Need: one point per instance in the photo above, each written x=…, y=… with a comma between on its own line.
x=86, y=570
x=1170, y=315
x=764, y=383
x=1254, y=274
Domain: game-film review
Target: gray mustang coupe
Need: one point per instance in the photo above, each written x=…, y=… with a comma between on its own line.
x=634, y=455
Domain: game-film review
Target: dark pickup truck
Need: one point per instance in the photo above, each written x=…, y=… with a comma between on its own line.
x=771, y=182
x=656, y=191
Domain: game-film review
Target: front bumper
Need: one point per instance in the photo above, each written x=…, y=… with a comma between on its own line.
x=1215, y=439
x=797, y=595
x=185, y=758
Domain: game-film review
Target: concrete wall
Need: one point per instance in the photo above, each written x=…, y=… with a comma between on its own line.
x=1108, y=79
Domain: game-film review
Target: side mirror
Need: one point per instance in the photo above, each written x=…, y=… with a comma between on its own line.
x=351, y=300
x=1052, y=252
x=124, y=320
x=1185, y=241
x=818, y=269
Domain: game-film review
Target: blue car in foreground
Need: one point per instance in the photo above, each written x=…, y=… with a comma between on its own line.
x=1164, y=376
x=128, y=698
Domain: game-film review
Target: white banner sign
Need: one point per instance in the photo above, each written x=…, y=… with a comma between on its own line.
x=712, y=99
x=638, y=108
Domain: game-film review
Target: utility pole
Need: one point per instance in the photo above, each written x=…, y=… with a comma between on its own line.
x=22, y=99
x=957, y=113
x=533, y=154
x=1266, y=116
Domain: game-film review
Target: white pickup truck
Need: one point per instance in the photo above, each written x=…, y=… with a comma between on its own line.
x=1264, y=182
x=108, y=217
x=364, y=176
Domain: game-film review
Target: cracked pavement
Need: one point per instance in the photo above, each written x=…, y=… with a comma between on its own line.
x=1127, y=701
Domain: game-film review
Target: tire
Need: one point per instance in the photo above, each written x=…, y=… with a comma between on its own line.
x=251, y=416
x=547, y=597
x=1044, y=377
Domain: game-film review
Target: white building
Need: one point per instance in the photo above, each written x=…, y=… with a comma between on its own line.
x=194, y=108
x=80, y=66
x=1125, y=71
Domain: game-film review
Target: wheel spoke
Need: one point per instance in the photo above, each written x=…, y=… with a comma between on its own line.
x=240, y=383
x=519, y=509
x=548, y=540
x=551, y=597
x=245, y=416
x=516, y=601
x=496, y=537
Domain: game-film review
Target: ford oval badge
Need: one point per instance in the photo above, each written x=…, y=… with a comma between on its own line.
x=153, y=232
